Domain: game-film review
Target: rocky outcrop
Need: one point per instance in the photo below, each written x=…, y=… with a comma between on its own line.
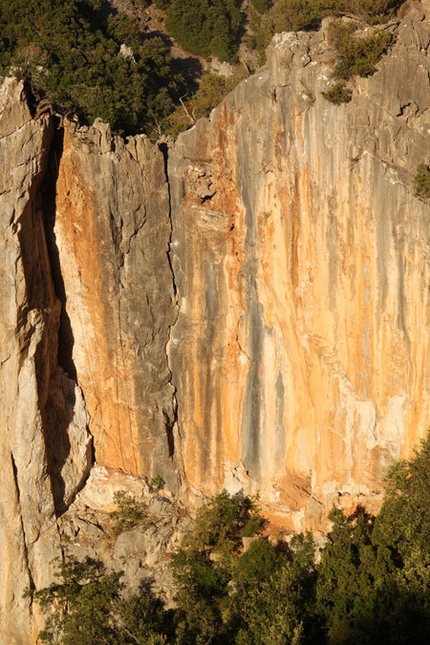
x=112, y=232
x=300, y=354
x=247, y=309
x=45, y=446
x=88, y=301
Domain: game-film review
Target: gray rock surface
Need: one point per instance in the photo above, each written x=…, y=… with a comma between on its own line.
x=112, y=231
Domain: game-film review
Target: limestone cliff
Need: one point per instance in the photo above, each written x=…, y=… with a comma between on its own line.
x=45, y=446
x=112, y=230
x=300, y=354
x=246, y=308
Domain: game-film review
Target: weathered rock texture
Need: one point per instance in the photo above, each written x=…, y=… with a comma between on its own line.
x=300, y=354
x=112, y=232
x=44, y=447
x=254, y=314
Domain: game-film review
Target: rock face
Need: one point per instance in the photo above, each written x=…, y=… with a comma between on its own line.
x=112, y=232
x=45, y=446
x=300, y=354
x=247, y=309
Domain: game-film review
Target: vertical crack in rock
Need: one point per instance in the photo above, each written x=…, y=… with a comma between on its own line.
x=26, y=563
x=165, y=152
x=65, y=333
x=69, y=444
x=171, y=422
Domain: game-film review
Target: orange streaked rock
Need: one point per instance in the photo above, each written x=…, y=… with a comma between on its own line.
x=300, y=354
x=112, y=230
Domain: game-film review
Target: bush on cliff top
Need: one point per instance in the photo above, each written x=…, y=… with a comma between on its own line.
x=358, y=56
x=297, y=15
x=69, y=52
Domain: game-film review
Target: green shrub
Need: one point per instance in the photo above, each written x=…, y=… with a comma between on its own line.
x=156, y=483
x=68, y=53
x=338, y=93
x=130, y=512
x=212, y=89
x=422, y=182
x=206, y=27
x=262, y=5
x=80, y=605
x=373, y=11
x=358, y=56
x=280, y=606
x=86, y=606
x=204, y=568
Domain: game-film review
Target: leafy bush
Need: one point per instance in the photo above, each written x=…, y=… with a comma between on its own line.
x=86, y=607
x=373, y=11
x=69, y=53
x=156, y=483
x=206, y=27
x=213, y=88
x=338, y=93
x=262, y=5
x=422, y=182
x=130, y=512
x=358, y=56
x=204, y=566
x=278, y=603
x=79, y=607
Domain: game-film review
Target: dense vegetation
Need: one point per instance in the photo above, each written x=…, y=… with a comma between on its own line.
x=369, y=585
x=69, y=53
x=205, y=27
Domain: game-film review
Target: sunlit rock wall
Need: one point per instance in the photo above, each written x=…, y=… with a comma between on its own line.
x=246, y=307
x=300, y=253
x=112, y=232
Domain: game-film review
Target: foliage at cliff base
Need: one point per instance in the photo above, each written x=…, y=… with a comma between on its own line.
x=369, y=584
